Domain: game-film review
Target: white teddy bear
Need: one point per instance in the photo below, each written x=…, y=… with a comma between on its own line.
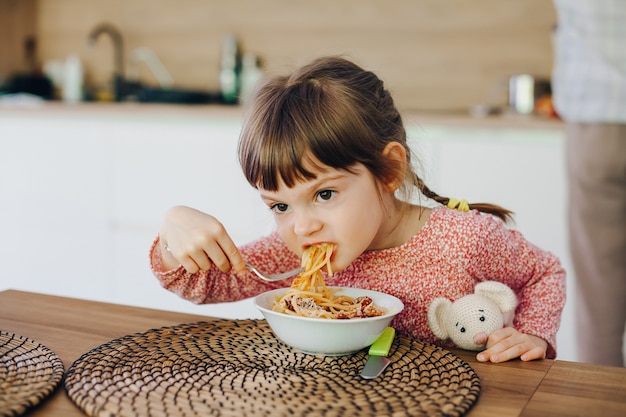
x=469, y=321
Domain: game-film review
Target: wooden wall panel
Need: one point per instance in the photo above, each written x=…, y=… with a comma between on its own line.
x=17, y=22
x=433, y=54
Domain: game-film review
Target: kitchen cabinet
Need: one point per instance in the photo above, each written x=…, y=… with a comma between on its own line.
x=54, y=203
x=85, y=192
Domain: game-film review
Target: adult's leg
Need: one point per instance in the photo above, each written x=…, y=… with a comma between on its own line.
x=596, y=164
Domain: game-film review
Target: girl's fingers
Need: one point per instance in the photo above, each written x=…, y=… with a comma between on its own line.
x=234, y=256
x=535, y=353
x=189, y=264
x=224, y=254
x=197, y=241
x=211, y=254
x=507, y=343
x=201, y=258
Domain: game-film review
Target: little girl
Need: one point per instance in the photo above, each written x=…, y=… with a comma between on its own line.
x=327, y=150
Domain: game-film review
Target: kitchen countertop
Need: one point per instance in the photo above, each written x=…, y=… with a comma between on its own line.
x=235, y=113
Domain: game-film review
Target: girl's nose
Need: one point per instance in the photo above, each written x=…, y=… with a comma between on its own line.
x=305, y=224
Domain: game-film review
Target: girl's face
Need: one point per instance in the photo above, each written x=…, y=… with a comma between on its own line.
x=349, y=209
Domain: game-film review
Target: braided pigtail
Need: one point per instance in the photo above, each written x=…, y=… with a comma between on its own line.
x=493, y=209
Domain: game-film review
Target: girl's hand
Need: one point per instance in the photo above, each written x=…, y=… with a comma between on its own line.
x=196, y=241
x=507, y=343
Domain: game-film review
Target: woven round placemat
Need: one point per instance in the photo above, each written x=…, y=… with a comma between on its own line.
x=29, y=372
x=239, y=368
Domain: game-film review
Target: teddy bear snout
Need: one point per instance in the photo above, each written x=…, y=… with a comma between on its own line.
x=480, y=338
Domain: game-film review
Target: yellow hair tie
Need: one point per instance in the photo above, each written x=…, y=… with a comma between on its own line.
x=461, y=205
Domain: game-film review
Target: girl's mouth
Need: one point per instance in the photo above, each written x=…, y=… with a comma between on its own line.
x=334, y=247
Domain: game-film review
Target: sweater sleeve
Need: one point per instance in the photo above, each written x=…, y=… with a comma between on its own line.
x=214, y=286
x=535, y=275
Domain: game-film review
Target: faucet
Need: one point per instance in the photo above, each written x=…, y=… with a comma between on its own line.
x=118, y=49
x=153, y=63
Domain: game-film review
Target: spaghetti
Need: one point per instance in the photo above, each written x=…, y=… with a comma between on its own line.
x=309, y=296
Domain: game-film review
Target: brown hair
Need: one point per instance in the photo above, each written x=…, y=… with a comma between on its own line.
x=334, y=112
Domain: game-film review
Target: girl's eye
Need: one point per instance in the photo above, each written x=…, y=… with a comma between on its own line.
x=279, y=207
x=325, y=194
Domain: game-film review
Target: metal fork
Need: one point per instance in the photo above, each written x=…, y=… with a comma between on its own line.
x=277, y=277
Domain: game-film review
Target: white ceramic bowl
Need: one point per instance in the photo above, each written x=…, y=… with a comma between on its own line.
x=329, y=337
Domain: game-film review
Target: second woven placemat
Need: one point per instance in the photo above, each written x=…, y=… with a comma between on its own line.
x=239, y=368
x=29, y=372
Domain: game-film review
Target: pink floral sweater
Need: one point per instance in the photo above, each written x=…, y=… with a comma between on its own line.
x=447, y=258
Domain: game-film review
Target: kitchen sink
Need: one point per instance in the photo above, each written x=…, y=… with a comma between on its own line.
x=180, y=96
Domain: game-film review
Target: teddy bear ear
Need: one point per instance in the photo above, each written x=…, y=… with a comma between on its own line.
x=499, y=293
x=437, y=312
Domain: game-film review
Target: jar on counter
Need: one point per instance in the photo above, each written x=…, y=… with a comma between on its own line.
x=229, y=70
x=251, y=74
x=72, y=90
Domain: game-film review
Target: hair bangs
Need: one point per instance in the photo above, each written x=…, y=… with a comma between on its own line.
x=298, y=133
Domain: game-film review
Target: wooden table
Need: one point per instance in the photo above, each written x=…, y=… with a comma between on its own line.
x=71, y=327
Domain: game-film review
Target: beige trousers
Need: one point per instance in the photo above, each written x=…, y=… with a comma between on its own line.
x=596, y=168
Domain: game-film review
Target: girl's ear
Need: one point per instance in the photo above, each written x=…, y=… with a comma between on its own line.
x=395, y=154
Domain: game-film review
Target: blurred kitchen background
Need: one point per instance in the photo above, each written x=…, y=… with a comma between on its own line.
x=98, y=139
x=435, y=55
